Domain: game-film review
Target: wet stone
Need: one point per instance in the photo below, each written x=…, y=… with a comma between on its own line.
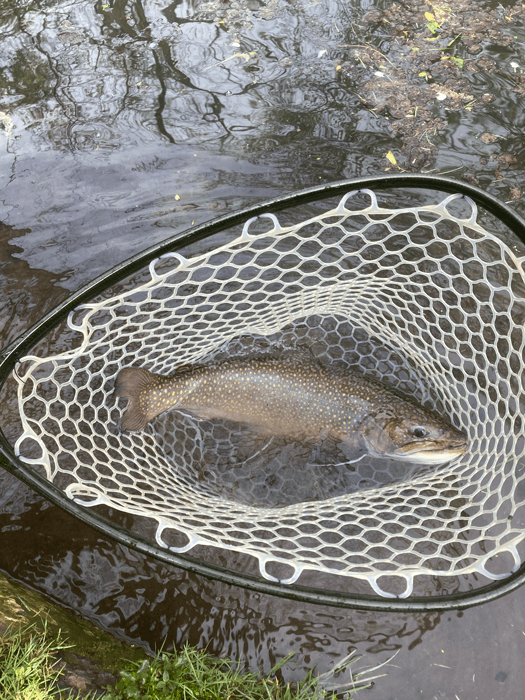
x=488, y=138
x=82, y=676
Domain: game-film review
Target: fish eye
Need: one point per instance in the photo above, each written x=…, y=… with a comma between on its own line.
x=419, y=431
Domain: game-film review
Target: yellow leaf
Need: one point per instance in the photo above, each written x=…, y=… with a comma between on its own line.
x=177, y=197
x=422, y=74
x=338, y=67
x=432, y=38
x=430, y=17
x=391, y=157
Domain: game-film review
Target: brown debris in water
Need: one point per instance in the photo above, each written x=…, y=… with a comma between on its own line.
x=421, y=75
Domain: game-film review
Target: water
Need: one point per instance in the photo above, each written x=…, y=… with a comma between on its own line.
x=126, y=122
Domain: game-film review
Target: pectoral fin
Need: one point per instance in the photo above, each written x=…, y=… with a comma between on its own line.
x=130, y=383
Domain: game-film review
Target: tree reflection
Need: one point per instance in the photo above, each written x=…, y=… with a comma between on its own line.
x=26, y=79
x=107, y=75
x=245, y=76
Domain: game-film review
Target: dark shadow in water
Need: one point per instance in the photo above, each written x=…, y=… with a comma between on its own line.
x=26, y=294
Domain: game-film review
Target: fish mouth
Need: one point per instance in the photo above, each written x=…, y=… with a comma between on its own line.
x=431, y=452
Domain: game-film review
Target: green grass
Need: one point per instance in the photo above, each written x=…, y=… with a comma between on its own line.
x=193, y=675
x=27, y=663
x=28, y=671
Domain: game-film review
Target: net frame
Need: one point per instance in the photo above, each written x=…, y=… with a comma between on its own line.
x=18, y=349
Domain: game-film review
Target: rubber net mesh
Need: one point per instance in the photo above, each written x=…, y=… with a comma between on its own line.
x=432, y=304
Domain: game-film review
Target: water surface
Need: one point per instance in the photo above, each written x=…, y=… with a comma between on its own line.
x=126, y=122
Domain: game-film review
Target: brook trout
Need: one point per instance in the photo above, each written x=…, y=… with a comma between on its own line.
x=296, y=397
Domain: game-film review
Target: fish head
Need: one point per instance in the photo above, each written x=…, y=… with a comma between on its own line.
x=412, y=433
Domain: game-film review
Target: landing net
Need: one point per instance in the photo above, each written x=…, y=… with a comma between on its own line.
x=430, y=303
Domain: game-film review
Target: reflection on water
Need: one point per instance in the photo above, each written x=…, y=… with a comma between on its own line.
x=125, y=121
x=102, y=76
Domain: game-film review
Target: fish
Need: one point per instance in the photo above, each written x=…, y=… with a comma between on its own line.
x=296, y=396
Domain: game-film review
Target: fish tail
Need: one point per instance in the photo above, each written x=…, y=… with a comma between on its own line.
x=130, y=383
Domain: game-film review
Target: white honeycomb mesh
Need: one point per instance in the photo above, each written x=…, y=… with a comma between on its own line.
x=431, y=303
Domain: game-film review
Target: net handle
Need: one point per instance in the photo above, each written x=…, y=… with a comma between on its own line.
x=10, y=356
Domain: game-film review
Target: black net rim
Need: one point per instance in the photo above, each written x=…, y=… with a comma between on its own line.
x=10, y=356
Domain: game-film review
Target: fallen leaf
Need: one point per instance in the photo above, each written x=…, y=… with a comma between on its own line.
x=430, y=17
x=391, y=157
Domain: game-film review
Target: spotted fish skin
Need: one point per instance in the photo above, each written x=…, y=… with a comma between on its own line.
x=295, y=396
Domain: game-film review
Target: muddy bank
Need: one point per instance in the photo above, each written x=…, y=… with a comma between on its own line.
x=95, y=656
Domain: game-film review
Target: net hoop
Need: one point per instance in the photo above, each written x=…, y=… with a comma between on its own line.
x=288, y=589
